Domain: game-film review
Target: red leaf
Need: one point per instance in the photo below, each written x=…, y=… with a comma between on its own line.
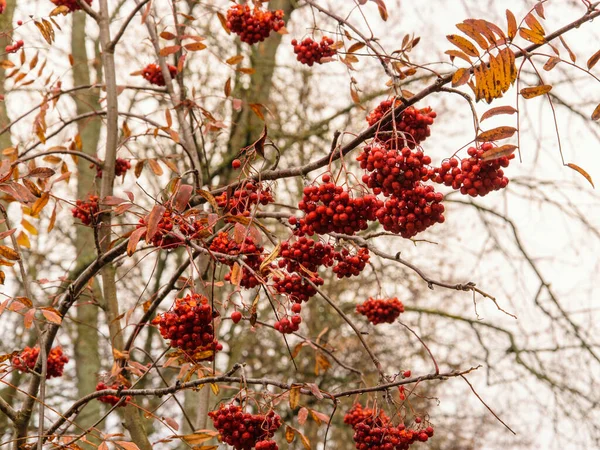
x=184, y=193
x=134, y=239
x=153, y=218
x=302, y=415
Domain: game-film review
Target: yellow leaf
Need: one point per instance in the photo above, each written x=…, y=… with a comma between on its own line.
x=294, y=397
x=474, y=34
x=535, y=91
x=8, y=253
x=464, y=44
x=305, y=442
x=29, y=227
x=456, y=54
x=215, y=388
x=23, y=240
x=534, y=24
x=582, y=172
x=532, y=36
x=289, y=434
x=460, y=77
x=512, y=24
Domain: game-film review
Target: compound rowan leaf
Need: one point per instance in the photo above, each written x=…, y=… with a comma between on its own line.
x=496, y=111
x=593, y=60
x=586, y=175
x=535, y=91
x=498, y=152
x=512, y=24
x=496, y=134
x=460, y=77
x=464, y=44
x=596, y=113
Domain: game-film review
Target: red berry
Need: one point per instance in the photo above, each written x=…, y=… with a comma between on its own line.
x=236, y=164
x=236, y=316
x=407, y=374
x=19, y=22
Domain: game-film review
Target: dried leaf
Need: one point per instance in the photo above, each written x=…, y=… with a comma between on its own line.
x=512, y=24
x=289, y=434
x=496, y=134
x=41, y=172
x=457, y=54
x=532, y=36
x=551, y=63
x=302, y=416
x=596, y=113
x=464, y=44
x=582, y=172
x=534, y=24
x=223, y=21
x=496, y=111
x=155, y=166
x=8, y=253
x=153, y=219
x=593, y=60
x=498, y=152
x=195, y=46
x=471, y=31
x=169, y=50
x=182, y=198
x=128, y=445
x=535, y=91
x=234, y=60
x=52, y=316
x=460, y=77
x=294, y=397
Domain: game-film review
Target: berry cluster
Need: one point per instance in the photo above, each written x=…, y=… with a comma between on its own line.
x=375, y=431
x=26, y=360
x=71, y=4
x=266, y=445
x=154, y=75
x=189, y=325
x=164, y=236
x=330, y=208
x=288, y=326
x=412, y=212
x=86, y=210
x=474, y=177
x=243, y=198
x=358, y=414
x=121, y=168
x=413, y=123
x=391, y=171
x=111, y=399
x=14, y=47
x=253, y=25
x=305, y=253
x=296, y=287
x=381, y=310
x=244, y=431
x=350, y=265
x=252, y=251
x=309, y=51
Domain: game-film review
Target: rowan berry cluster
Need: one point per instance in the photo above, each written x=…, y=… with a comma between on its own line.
x=330, y=208
x=26, y=360
x=164, y=236
x=111, y=399
x=414, y=211
x=243, y=198
x=310, y=52
x=413, y=124
x=391, y=171
x=13, y=48
x=288, y=326
x=253, y=25
x=296, y=287
x=189, y=325
x=121, y=168
x=266, y=445
x=153, y=74
x=252, y=252
x=71, y=4
x=381, y=310
x=375, y=431
x=86, y=210
x=474, y=177
x=243, y=431
x=350, y=265
x=305, y=253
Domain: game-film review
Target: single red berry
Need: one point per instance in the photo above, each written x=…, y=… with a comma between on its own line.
x=236, y=316
x=406, y=374
x=19, y=22
x=236, y=164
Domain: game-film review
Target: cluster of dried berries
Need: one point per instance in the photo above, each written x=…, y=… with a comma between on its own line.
x=86, y=211
x=381, y=310
x=121, y=168
x=111, y=399
x=242, y=199
x=474, y=177
x=27, y=358
x=189, y=326
x=153, y=74
x=73, y=5
x=244, y=431
x=310, y=52
x=253, y=25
